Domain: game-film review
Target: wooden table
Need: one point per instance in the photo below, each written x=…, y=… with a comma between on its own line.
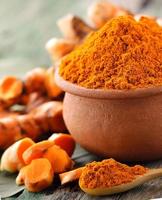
x=149, y=190
x=25, y=26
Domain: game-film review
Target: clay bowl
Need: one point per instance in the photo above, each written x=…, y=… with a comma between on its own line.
x=125, y=125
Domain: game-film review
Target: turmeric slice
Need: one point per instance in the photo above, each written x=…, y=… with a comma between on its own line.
x=58, y=158
x=36, y=176
x=70, y=176
x=36, y=151
x=64, y=141
x=53, y=90
x=12, y=160
x=10, y=89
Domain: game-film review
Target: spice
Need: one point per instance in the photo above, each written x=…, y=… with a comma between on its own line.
x=109, y=173
x=123, y=54
x=36, y=176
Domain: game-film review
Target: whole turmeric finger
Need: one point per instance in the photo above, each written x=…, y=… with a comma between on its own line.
x=12, y=160
x=28, y=126
x=34, y=80
x=35, y=99
x=46, y=118
x=100, y=12
x=50, y=114
x=10, y=90
x=58, y=158
x=53, y=90
x=73, y=28
x=36, y=151
x=58, y=47
x=65, y=141
x=36, y=176
x=9, y=131
x=70, y=176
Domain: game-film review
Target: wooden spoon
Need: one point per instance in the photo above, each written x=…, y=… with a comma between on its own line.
x=151, y=174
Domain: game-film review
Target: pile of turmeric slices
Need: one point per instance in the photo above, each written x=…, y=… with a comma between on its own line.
x=38, y=162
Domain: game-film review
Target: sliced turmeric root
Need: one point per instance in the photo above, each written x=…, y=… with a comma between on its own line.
x=70, y=176
x=59, y=159
x=36, y=176
x=36, y=151
x=10, y=89
x=53, y=90
x=12, y=160
x=64, y=141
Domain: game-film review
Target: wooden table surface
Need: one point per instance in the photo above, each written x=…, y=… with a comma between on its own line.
x=25, y=26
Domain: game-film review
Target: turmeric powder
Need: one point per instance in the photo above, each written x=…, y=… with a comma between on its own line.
x=108, y=173
x=123, y=54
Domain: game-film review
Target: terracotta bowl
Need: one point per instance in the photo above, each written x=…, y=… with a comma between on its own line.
x=125, y=125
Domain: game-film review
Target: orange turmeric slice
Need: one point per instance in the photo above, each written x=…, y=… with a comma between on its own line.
x=36, y=151
x=36, y=176
x=65, y=141
x=10, y=88
x=53, y=90
x=59, y=159
x=70, y=176
x=12, y=160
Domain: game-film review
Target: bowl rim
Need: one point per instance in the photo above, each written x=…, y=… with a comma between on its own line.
x=105, y=94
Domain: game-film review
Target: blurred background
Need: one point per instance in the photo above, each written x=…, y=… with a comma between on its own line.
x=26, y=26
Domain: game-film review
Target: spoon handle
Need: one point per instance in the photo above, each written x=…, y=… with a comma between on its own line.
x=153, y=173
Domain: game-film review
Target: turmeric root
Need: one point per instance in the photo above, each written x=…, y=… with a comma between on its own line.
x=46, y=118
x=35, y=99
x=34, y=81
x=28, y=126
x=9, y=131
x=50, y=114
x=6, y=113
x=36, y=176
x=36, y=151
x=73, y=28
x=12, y=160
x=100, y=12
x=10, y=90
x=58, y=48
x=70, y=176
x=64, y=141
x=53, y=90
x=58, y=158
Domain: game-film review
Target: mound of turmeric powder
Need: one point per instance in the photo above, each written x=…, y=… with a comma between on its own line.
x=109, y=173
x=123, y=54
